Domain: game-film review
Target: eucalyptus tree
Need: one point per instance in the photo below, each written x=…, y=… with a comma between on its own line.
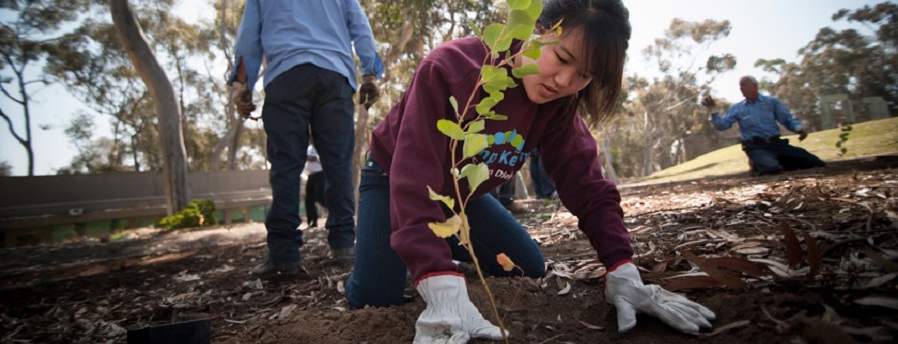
x=166, y=104
x=94, y=67
x=36, y=27
x=841, y=62
x=222, y=34
x=667, y=103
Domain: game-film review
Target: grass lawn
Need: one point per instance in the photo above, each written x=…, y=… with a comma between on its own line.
x=865, y=139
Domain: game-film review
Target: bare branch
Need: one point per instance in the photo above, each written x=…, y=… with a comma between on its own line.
x=12, y=129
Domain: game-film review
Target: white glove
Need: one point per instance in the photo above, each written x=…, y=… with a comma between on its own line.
x=450, y=317
x=624, y=289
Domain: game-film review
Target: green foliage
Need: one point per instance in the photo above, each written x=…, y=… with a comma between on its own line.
x=843, y=137
x=30, y=30
x=842, y=62
x=198, y=213
x=664, y=112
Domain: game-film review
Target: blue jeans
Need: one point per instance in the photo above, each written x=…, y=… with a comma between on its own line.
x=379, y=276
x=777, y=156
x=304, y=100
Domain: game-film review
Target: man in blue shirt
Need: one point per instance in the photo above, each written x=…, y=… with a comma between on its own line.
x=309, y=80
x=758, y=116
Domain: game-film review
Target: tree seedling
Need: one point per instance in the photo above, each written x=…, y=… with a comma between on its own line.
x=494, y=80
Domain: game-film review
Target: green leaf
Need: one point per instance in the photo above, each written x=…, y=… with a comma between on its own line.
x=535, y=8
x=475, y=28
x=493, y=75
x=494, y=116
x=476, y=174
x=533, y=53
x=454, y=104
x=474, y=143
x=533, y=48
x=520, y=24
x=486, y=104
x=527, y=69
x=448, y=201
x=495, y=80
x=446, y=229
x=476, y=126
x=519, y=4
x=451, y=129
x=492, y=37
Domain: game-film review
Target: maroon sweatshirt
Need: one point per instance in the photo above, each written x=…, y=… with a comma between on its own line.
x=415, y=154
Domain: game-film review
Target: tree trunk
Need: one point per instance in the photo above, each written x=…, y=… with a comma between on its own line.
x=649, y=150
x=235, y=123
x=169, y=122
x=610, y=174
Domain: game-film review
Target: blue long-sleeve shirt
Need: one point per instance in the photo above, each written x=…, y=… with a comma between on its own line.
x=757, y=118
x=288, y=33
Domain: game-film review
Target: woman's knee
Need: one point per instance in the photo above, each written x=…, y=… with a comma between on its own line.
x=359, y=294
x=534, y=267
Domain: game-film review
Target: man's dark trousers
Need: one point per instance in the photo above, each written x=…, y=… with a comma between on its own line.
x=314, y=195
x=308, y=99
x=775, y=155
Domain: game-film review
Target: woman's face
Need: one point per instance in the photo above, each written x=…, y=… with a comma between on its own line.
x=562, y=69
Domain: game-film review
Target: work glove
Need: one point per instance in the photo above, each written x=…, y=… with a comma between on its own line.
x=242, y=98
x=802, y=135
x=450, y=317
x=369, y=92
x=709, y=103
x=624, y=290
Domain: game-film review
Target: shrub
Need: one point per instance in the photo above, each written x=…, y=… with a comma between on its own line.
x=198, y=213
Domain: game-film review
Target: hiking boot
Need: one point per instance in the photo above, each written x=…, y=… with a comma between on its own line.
x=343, y=253
x=269, y=269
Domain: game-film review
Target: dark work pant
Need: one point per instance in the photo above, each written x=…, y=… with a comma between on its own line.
x=778, y=156
x=314, y=195
x=542, y=183
x=304, y=100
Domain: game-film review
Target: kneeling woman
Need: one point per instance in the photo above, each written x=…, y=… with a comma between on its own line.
x=579, y=81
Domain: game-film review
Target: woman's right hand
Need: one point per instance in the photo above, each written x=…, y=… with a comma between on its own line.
x=450, y=317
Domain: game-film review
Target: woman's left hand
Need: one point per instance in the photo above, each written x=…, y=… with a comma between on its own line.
x=624, y=289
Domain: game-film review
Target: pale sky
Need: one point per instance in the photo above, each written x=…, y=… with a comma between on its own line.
x=766, y=29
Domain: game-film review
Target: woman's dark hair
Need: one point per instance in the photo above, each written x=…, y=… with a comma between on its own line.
x=606, y=33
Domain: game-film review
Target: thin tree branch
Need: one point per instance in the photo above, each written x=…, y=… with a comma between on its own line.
x=12, y=130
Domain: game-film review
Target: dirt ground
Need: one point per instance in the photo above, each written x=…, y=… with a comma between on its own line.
x=801, y=257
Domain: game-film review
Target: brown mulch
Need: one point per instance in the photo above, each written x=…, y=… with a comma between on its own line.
x=801, y=257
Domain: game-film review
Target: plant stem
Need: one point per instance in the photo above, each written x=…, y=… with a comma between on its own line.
x=486, y=287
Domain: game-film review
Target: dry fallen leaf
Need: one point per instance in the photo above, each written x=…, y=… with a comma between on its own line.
x=878, y=301
x=726, y=278
x=590, y=326
x=565, y=290
x=727, y=327
x=287, y=310
x=815, y=255
x=793, y=249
